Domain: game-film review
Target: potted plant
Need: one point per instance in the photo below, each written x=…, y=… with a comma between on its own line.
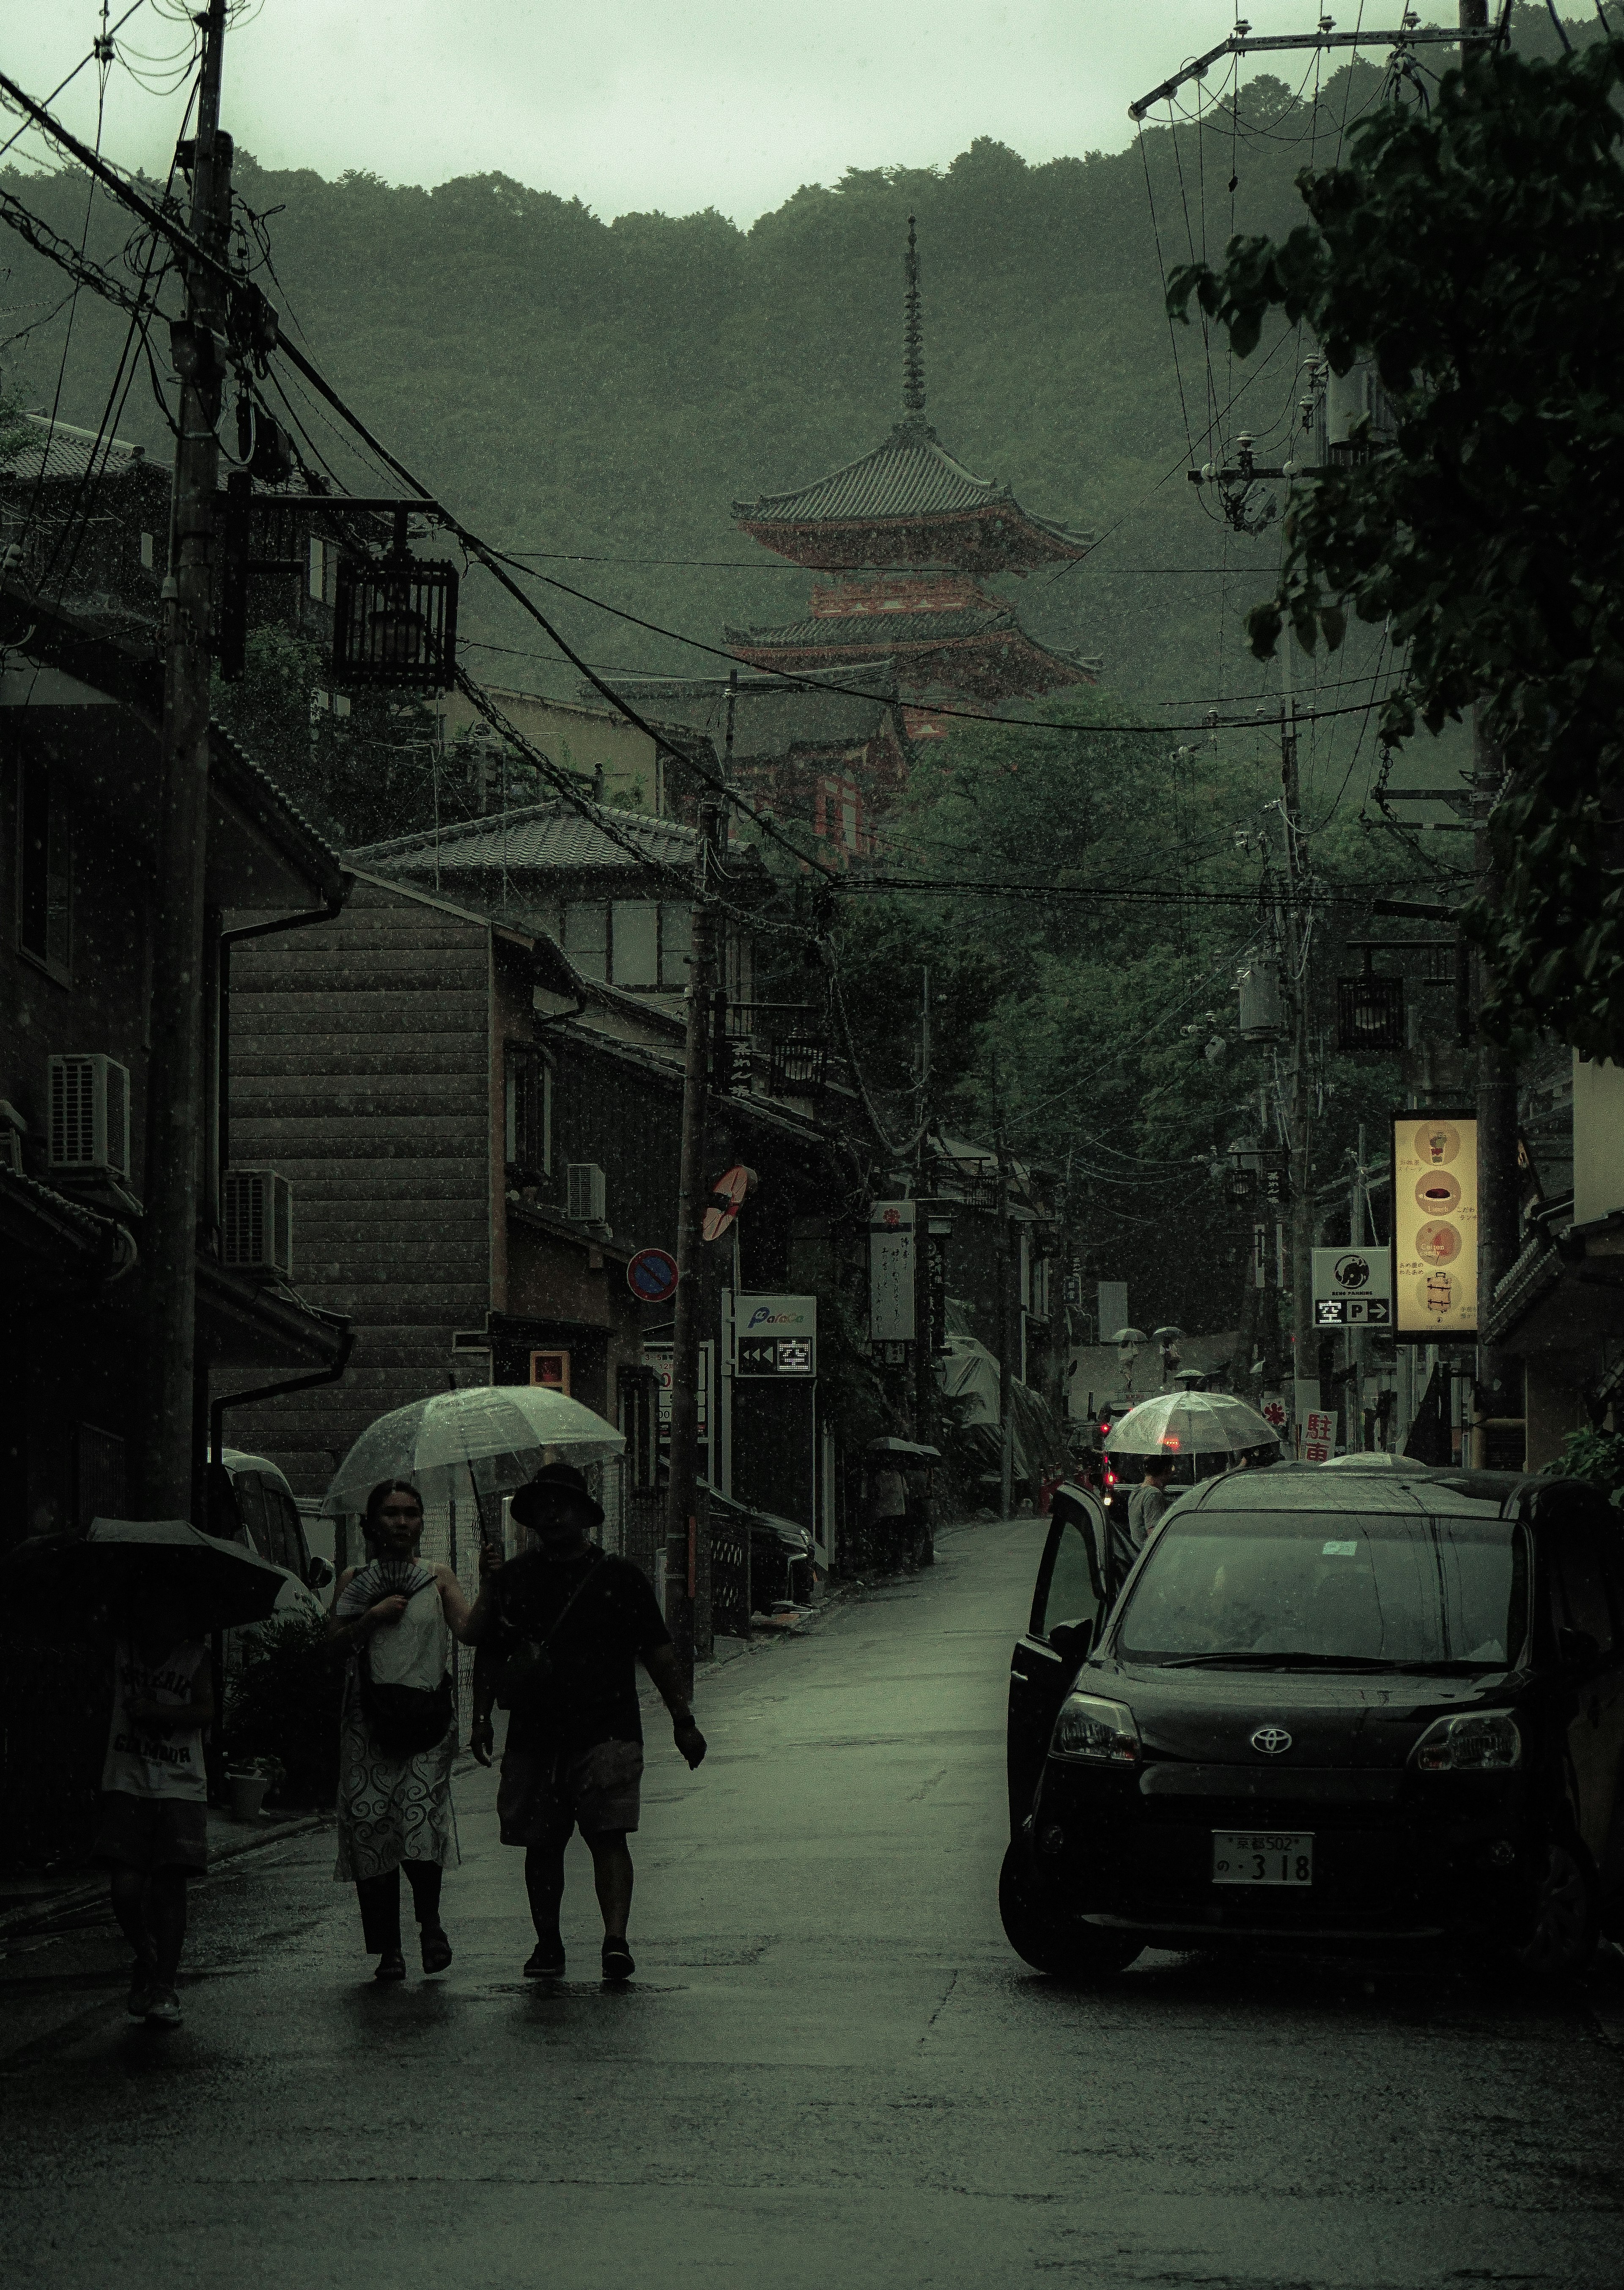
x=249, y=1782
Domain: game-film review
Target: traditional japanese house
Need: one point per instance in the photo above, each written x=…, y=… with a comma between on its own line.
x=909, y=534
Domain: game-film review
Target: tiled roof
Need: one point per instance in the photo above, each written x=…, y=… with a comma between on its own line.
x=229, y=759
x=888, y=632
x=58, y=449
x=772, y=717
x=911, y=475
x=545, y=837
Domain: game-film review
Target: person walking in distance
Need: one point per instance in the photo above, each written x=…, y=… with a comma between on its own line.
x=559, y=1632
x=397, y=1730
x=153, y=1833
x=1148, y=1500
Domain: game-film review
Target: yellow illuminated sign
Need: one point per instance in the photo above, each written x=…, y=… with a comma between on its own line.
x=1435, y=1226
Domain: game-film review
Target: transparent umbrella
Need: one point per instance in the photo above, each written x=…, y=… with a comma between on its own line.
x=1190, y=1423
x=495, y=1434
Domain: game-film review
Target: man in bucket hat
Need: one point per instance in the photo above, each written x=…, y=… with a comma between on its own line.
x=559, y=1632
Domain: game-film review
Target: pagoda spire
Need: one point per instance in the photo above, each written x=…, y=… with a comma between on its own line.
x=913, y=333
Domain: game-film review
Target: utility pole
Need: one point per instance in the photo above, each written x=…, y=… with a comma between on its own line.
x=924, y=1325
x=687, y=1536
x=1298, y=1120
x=1006, y=1428
x=176, y=1067
x=1358, y=1210
x=1494, y=1393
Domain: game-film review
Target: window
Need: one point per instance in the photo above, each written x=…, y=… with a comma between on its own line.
x=528, y=1145
x=1067, y=1593
x=1581, y=1585
x=586, y=938
x=1333, y=1585
x=676, y=942
x=44, y=882
x=636, y=944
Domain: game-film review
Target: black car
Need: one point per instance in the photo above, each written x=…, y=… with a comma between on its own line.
x=1339, y=1709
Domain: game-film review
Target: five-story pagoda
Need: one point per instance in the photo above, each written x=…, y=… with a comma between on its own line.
x=908, y=533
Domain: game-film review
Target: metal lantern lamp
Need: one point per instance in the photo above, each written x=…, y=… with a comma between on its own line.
x=1370, y=1014
x=395, y=621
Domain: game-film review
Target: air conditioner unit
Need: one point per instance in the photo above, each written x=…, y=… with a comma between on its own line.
x=89, y=1116
x=587, y=1198
x=256, y=1221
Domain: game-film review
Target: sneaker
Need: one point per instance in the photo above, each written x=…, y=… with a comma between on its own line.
x=143, y=1979
x=618, y=1963
x=391, y=1966
x=163, y=2008
x=545, y=1960
x=437, y=1948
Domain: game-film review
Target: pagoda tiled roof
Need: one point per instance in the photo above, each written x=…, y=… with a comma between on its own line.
x=912, y=474
x=887, y=632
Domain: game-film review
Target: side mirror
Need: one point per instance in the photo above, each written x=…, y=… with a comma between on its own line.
x=318, y=1573
x=1576, y=1649
x=1072, y=1640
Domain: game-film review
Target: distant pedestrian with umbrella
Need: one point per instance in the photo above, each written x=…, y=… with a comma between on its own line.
x=153, y=1833
x=397, y=1731
x=169, y=1586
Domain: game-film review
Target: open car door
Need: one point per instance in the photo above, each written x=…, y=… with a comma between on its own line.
x=1068, y=1601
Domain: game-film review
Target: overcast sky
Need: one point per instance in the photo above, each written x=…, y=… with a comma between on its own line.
x=639, y=104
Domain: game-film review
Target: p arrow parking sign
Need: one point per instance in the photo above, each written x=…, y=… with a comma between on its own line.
x=1353, y=1287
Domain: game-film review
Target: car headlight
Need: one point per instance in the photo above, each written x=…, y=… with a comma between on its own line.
x=1098, y=1732
x=1486, y=1741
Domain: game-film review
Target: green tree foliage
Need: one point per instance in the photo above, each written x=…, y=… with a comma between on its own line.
x=1473, y=249
x=382, y=770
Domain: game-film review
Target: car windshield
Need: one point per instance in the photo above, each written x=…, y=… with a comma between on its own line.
x=1330, y=1589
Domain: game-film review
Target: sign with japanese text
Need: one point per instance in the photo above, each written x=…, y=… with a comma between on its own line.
x=1319, y=1434
x=891, y=1271
x=1435, y=1226
x=775, y=1336
x=1353, y=1287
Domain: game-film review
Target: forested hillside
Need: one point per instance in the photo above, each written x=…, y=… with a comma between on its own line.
x=595, y=395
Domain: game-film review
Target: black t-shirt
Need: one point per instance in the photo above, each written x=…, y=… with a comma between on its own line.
x=591, y=1694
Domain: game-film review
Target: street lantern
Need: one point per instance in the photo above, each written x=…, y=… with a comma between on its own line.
x=1370, y=1014
x=394, y=622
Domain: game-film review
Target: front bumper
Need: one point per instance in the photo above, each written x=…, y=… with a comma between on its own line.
x=1398, y=1857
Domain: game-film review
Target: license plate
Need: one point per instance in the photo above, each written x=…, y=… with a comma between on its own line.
x=1262, y=1856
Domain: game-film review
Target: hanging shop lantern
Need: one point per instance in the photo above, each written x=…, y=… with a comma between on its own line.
x=1369, y=1016
x=395, y=624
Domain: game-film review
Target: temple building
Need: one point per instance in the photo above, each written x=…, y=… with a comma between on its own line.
x=908, y=534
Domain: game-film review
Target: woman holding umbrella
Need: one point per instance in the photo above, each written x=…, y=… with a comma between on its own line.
x=399, y=1730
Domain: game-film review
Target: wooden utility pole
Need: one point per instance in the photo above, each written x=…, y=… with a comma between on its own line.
x=1494, y=1393
x=1299, y=1140
x=176, y=1068
x=1006, y=1323
x=686, y=1532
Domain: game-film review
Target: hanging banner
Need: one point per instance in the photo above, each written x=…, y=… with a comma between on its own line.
x=1353, y=1287
x=1260, y=1256
x=891, y=1272
x=1435, y=1226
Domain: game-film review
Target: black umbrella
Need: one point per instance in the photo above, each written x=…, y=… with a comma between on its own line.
x=223, y=1583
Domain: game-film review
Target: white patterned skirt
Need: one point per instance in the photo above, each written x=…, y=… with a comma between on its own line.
x=391, y=1809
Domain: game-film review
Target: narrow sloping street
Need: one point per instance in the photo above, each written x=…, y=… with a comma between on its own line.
x=829, y=2070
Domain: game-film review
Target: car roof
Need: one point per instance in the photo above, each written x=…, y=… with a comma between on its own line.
x=1304, y=1487
x=237, y=1462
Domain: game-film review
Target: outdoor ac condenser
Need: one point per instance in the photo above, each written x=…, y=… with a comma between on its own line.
x=256, y=1221
x=89, y=1116
x=587, y=1202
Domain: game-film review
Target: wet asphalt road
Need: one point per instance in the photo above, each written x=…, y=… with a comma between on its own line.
x=829, y=2069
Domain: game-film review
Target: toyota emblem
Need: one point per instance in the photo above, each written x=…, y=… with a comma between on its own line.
x=1272, y=1740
